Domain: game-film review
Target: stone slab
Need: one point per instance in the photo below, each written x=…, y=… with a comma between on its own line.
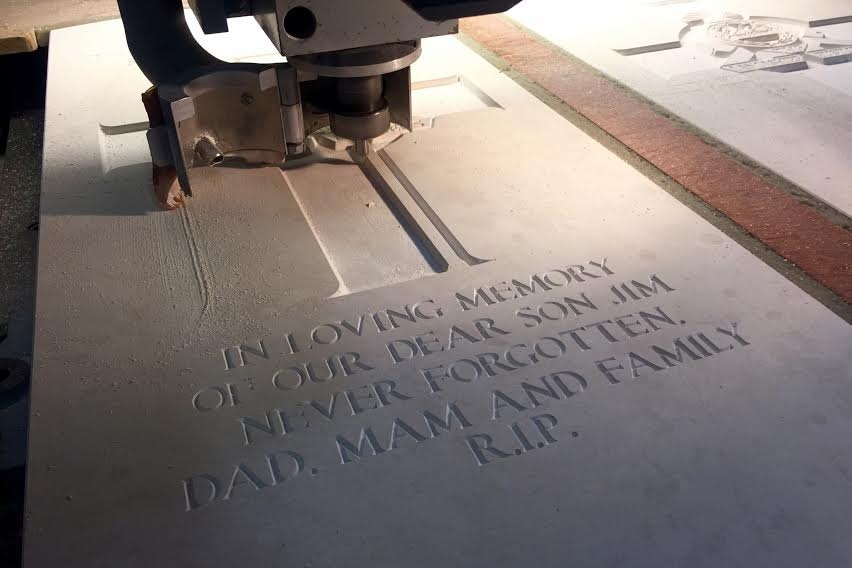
x=205, y=393
x=783, y=109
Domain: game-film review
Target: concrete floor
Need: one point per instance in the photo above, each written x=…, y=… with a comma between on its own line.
x=21, y=128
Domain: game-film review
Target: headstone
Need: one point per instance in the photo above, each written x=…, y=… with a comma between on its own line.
x=540, y=359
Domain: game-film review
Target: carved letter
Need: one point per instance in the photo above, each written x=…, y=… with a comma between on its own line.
x=468, y=304
x=734, y=333
x=401, y=350
x=473, y=442
x=545, y=390
x=348, y=450
x=545, y=430
x=275, y=467
x=604, y=367
x=189, y=491
x=433, y=422
x=637, y=361
x=670, y=359
x=400, y=429
x=250, y=424
x=383, y=389
x=243, y=475
x=500, y=400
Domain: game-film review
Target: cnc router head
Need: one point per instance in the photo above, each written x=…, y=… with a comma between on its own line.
x=348, y=68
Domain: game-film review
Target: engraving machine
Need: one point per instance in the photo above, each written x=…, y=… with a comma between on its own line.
x=348, y=68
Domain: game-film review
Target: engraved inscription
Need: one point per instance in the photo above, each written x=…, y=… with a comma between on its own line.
x=432, y=426
x=489, y=369
x=329, y=334
x=484, y=448
x=534, y=284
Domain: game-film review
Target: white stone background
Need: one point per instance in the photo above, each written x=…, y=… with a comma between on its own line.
x=794, y=123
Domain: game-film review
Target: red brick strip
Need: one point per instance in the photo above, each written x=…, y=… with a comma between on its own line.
x=795, y=231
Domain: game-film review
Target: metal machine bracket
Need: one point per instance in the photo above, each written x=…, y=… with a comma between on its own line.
x=203, y=111
x=227, y=114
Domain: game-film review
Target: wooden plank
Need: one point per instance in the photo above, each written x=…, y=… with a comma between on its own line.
x=25, y=24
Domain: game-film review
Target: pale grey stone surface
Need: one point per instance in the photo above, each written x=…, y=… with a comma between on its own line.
x=737, y=458
x=791, y=118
